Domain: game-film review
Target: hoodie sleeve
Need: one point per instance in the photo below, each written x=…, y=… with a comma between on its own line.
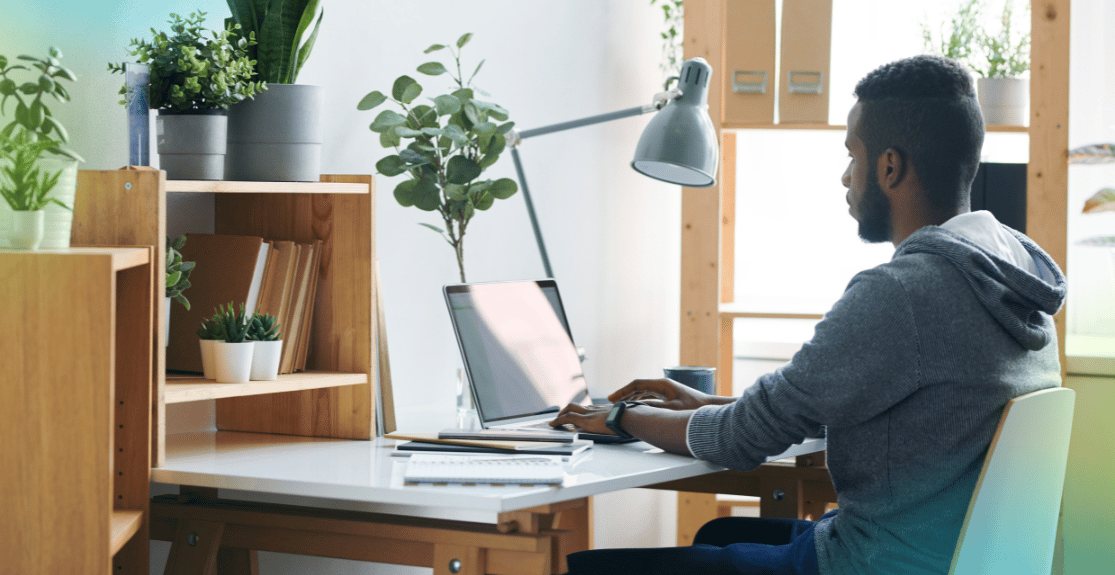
x=862, y=360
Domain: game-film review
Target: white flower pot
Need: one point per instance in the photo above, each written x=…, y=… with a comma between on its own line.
x=25, y=229
x=233, y=361
x=57, y=221
x=1004, y=101
x=265, y=360
x=207, y=361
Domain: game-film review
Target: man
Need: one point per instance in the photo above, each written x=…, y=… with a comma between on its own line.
x=908, y=373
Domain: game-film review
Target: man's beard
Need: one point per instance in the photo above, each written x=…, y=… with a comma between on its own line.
x=874, y=214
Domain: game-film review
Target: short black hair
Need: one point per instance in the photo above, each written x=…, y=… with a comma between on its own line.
x=925, y=107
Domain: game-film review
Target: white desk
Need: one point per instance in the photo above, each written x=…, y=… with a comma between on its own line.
x=361, y=482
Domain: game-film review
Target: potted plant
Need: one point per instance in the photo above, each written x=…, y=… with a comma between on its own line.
x=212, y=331
x=999, y=58
x=277, y=135
x=39, y=172
x=264, y=332
x=232, y=357
x=193, y=81
x=177, y=277
x=452, y=142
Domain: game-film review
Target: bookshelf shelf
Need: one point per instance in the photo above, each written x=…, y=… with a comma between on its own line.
x=77, y=346
x=123, y=525
x=335, y=396
x=223, y=187
x=187, y=388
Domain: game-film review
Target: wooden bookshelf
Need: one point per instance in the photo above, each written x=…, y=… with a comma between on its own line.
x=75, y=409
x=335, y=397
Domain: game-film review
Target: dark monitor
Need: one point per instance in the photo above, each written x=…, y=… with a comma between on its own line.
x=1001, y=190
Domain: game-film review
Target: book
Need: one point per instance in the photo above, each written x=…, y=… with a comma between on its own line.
x=430, y=442
x=277, y=284
x=509, y=434
x=227, y=269
x=567, y=451
x=303, y=349
x=491, y=469
x=298, y=297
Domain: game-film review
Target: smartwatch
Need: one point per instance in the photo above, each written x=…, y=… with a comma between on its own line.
x=614, y=416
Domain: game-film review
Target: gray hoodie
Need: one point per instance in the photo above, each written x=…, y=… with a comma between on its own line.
x=910, y=372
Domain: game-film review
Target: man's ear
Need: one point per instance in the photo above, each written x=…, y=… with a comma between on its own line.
x=891, y=168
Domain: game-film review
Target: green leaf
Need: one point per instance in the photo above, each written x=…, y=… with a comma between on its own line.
x=372, y=100
x=464, y=40
x=461, y=170
x=422, y=116
x=386, y=120
x=427, y=196
x=475, y=72
x=432, y=227
x=405, y=132
x=179, y=243
x=435, y=132
x=458, y=135
x=173, y=278
x=506, y=127
x=433, y=48
x=472, y=112
x=456, y=191
x=485, y=201
x=389, y=139
x=432, y=69
x=391, y=166
x=504, y=188
x=413, y=158
x=405, y=89
x=404, y=193
x=447, y=105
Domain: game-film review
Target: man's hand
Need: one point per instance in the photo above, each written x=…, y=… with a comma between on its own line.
x=665, y=393
x=589, y=418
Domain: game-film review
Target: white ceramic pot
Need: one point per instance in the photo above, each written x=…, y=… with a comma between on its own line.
x=265, y=360
x=1004, y=101
x=207, y=361
x=232, y=362
x=57, y=221
x=25, y=229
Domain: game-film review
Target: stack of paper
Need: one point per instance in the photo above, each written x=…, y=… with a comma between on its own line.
x=494, y=469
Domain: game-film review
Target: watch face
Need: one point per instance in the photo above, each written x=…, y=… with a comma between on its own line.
x=613, y=419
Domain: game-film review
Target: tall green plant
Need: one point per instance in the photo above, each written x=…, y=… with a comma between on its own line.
x=1007, y=52
x=279, y=27
x=1004, y=53
x=453, y=142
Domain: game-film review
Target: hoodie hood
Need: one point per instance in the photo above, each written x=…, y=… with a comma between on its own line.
x=1017, y=298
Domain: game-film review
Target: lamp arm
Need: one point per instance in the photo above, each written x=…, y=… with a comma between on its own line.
x=514, y=137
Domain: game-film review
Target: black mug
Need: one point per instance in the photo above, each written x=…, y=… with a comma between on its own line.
x=702, y=379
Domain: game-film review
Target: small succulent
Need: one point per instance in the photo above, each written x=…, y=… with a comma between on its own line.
x=213, y=328
x=264, y=327
x=177, y=271
x=236, y=324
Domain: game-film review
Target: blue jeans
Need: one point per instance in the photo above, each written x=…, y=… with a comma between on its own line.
x=725, y=546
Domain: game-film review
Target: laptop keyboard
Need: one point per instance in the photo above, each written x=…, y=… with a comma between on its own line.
x=546, y=425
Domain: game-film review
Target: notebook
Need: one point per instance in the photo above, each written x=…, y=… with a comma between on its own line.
x=431, y=442
x=519, y=356
x=493, y=469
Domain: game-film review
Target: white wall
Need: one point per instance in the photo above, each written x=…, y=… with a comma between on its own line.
x=613, y=235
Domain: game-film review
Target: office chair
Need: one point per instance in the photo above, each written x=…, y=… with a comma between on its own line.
x=1011, y=523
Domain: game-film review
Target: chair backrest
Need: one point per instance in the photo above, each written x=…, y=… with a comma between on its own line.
x=1012, y=518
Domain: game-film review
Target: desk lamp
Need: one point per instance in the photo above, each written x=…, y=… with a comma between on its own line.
x=678, y=145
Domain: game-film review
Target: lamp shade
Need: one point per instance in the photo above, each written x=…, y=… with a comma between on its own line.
x=679, y=144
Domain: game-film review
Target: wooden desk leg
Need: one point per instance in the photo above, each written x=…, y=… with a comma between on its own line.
x=194, y=549
x=569, y=524
x=234, y=561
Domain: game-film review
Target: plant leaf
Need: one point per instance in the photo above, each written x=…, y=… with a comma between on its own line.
x=464, y=40
x=461, y=170
x=447, y=105
x=391, y=166
x=405, y=89
x=432, y=227
x=386, y=120
x=433, y=48
x=432, y=69
x=503, y=188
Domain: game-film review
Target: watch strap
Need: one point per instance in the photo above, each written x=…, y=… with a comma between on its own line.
x=612, y=422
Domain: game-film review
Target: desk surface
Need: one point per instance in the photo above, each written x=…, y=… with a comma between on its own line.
x=364, y=476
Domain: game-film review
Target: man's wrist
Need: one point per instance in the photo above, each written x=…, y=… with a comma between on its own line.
x=615, y=417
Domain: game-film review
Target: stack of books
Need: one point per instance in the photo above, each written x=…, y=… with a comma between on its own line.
x=276, y=277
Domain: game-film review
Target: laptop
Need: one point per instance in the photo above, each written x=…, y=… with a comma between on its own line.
x=519, y=356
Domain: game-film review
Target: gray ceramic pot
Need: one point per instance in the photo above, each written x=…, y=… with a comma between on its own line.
x=192, y=144
x=276, y=137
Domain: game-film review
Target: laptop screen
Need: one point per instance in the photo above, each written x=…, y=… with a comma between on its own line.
x=517, y=348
